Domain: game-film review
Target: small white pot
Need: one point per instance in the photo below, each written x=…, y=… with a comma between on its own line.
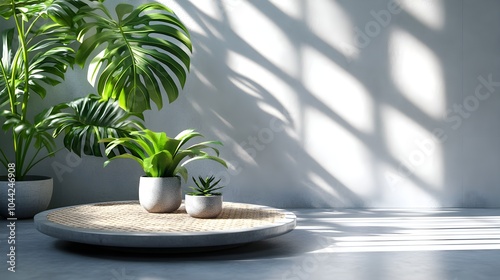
x=32, y=196
x=203, y=207
x=160, y=195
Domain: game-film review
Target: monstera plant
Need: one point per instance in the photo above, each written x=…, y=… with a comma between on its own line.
x=134, y=56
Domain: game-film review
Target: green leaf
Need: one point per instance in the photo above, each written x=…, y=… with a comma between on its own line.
x=157, y=163
x=128, y=156
x=137, y=57
x=214, y=158
x=181, y=170
x=87, y=120
x=123, y=9
x=7, y=39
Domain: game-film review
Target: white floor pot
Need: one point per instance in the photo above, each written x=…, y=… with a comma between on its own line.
x=204, y=207
x=160, y=194
x=32, y=196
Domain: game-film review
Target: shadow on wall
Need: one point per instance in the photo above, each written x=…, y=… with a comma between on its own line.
x=246, y=99
x=329, y=104
x=337, y=103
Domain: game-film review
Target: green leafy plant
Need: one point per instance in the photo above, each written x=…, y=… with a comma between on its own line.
x=160, y=155
x=35, y=53
x=136, y=56
x=205, y=187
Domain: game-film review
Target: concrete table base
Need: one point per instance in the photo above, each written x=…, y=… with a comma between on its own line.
x=125, y=224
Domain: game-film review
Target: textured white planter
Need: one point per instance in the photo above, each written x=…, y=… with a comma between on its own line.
x=31, y=196
x=203, y=207
x=160, y=195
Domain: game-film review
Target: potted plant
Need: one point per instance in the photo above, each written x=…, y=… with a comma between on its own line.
x=163, y=160
x=134, y=58
x=204, y=202
x=35, y=53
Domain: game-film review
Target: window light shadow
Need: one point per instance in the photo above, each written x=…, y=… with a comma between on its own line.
x=332, y=104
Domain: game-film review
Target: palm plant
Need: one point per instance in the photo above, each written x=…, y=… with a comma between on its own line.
x=160, y=155
x=134, y=58
x=39, y=56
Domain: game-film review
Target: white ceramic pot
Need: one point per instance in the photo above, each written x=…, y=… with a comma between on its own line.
x=32, y=196
x=203, y=207
x=161, y=194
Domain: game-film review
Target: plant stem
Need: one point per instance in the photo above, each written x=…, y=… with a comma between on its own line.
x=4, y=160
x=28, y=31
x=24, y=49
x=32, y=164
x=24, y=153
x=13, y=104
x=21, y=150
x=10, y=89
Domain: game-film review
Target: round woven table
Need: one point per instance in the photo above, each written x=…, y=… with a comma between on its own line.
x=126, y=224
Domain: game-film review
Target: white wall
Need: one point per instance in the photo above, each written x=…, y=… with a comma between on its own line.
x=324, y=103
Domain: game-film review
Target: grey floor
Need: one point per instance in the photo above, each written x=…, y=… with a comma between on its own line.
x=455, y=244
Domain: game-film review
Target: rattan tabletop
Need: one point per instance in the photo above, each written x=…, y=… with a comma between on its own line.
x=130, y=217
x=127, y=224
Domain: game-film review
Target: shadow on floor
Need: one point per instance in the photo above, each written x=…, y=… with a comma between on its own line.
x=278, y=247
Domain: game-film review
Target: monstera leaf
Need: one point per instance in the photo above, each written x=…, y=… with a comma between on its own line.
x=85, y=121
x=136, y=57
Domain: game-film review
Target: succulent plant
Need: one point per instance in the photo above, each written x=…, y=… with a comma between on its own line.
x=205, y=187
